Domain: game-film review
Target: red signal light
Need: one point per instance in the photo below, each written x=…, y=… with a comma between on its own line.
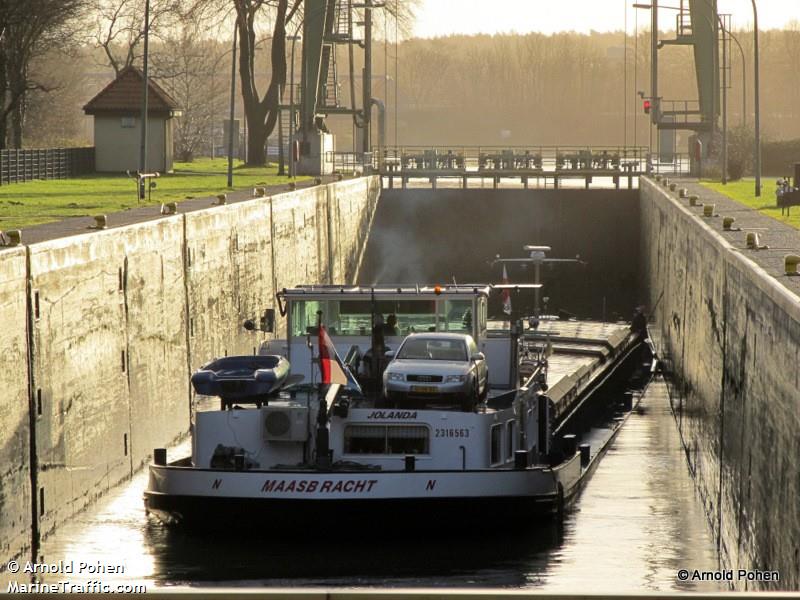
x=647, y=106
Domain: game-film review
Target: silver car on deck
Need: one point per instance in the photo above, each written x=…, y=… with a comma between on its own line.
x=437, y=367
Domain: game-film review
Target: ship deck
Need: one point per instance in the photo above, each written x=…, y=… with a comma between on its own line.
x=583, y=354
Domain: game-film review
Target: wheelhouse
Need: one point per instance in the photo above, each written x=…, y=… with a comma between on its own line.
x=348, y=314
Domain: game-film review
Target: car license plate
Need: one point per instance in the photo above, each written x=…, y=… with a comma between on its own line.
x=424, y=389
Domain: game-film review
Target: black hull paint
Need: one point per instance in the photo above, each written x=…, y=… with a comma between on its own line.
x=363, y=518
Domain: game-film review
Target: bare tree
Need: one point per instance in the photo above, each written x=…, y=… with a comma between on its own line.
x=187, y=70
x=262, y=111
x=29, y=29
x=119, y=27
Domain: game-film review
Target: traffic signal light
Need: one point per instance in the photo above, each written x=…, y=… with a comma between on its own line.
x=647, y=105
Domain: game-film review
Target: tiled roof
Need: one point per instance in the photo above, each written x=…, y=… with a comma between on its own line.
x=124, y=94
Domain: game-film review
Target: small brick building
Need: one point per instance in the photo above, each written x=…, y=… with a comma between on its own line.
x=117, y=132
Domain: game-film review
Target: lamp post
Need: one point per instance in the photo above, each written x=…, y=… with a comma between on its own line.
x=294, y=39
x=143, y=141
x=233, y=101
x=744, y=79
x=724, y=104
x=653, y=62
x=758, y=104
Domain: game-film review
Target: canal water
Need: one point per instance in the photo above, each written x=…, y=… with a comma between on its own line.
x=637, y=522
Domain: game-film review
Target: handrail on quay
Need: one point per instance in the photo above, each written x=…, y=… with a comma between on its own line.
x=525, y=163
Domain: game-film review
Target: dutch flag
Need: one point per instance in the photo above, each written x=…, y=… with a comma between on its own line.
x=506, y=293
x=334, y=371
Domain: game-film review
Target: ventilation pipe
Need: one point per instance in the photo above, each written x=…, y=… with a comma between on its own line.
x=381, y=130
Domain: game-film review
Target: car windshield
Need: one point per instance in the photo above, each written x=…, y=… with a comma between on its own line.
x=433, y=349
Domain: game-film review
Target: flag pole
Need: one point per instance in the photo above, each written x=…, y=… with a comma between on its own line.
x=322, y=438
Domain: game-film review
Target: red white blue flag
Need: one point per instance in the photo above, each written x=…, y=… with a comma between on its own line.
x=334, y=371
x=506, y=293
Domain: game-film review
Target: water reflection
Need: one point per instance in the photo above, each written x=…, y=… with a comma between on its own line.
x=636, y=523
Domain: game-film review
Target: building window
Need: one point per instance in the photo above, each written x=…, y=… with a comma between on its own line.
x=128, y=122
x=386, y=439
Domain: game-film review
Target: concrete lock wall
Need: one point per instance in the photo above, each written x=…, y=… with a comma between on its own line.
x=109, y=340
x=120, y=318
x=229, y=277
x=730, y=333
x=15, y=483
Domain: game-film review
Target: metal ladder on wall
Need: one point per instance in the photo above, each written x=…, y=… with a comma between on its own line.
x=340, y=31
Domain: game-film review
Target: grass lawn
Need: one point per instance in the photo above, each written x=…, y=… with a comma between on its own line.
x=743, y=191
x=34, y=202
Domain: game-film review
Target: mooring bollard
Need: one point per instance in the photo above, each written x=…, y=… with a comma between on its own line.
x=160, y=456
x=683, y=193
x=752, y=241
x=222, y=199
x=586, y=454
x=13, y=237
x=100, y=222
x=170, y=208
x=292, y=186
x=569, y=444
x=708, y=210
x=693, y=200
x=627, y=401
x=791, y=262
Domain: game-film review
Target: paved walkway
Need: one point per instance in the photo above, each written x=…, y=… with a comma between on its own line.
x=782, y=239
x=151, y=212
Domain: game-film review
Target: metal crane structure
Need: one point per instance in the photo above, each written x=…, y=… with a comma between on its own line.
x=699, y=25
x=327, y=26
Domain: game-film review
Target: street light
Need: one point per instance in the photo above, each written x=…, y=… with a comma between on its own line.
x=294, y=38
x=744, y=79
x=758, y=104
x=143, y=140
x=233, y=102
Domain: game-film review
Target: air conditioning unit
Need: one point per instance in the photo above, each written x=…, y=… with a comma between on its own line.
x=285, y=423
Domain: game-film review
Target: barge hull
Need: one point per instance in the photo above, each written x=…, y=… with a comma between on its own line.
x=388, y=514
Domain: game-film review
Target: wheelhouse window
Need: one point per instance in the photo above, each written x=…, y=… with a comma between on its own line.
x=410, y=316
x=304, y=317
x=456, y=316
x=497, y=444
x=354, y=317
x=386, y=439
x=482, y=310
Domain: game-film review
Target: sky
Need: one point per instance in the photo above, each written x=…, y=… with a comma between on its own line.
x=445, y=17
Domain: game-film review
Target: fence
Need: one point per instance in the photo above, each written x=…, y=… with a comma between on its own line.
x=45, y=163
